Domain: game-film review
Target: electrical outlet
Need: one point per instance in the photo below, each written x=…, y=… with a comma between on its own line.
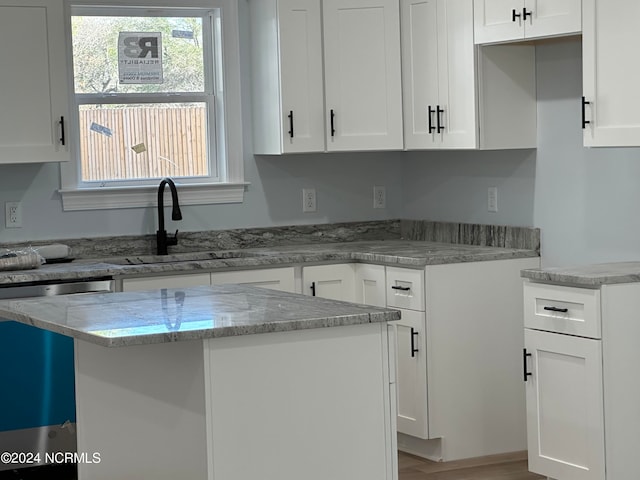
x=13, y=215
x=308, y=200
x=379, y=196
x=492, y=199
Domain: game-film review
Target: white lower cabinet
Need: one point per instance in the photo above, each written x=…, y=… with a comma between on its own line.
x=582, y=396
x=165, y=281
x=565, y=422
x=282, y=279
x=336, y=282
x=370, y=285
x=411, y=361
x=562, y=368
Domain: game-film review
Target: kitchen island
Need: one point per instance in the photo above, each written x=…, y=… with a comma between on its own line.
x=226, y=382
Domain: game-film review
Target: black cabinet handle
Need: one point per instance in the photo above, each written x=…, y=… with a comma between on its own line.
x=333, y=127
x=526, y=14
x=313, y=289
x=404, y=289
x=414, y=350
x=557, y=309
x=514, y=15
x=524, y=364
x=439, y=112
x=290, y=123
x=585, y=122
x=61, y=122
x=431, y=111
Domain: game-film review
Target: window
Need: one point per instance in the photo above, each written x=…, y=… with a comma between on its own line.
x=150, y=101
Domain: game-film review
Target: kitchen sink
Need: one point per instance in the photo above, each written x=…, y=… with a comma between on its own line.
x=183, y=257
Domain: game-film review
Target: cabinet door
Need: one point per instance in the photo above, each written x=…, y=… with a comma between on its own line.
x=457, y=75
x=553, y=17
x=329, y=281
x=165, y=281
x=565, y=421
x=370, y=285
x=301, y=75
x=411, y=377
x=273, y=278
x=420, y=71
x=498, y=20
x=34, y=81
x=610, y=38
x=287, y=78
x=362, y=74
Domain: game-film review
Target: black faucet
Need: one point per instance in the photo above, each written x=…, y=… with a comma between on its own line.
x=161, y=235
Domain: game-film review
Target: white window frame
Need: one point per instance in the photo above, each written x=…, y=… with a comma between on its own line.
x=231, y=185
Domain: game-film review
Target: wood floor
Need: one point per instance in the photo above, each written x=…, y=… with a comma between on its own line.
x=496, y=467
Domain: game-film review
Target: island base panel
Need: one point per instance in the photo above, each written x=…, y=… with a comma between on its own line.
x=313, y=404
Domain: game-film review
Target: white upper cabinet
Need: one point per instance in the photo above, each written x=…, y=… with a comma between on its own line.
x=456, y=96
x=611, y=117
x=509, y=20
x=33, y=82
x=438, y=74
x=362, y=75
x=287, y=76
x=353, y=102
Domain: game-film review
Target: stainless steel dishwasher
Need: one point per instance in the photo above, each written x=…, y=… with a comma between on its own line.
x=37, y=396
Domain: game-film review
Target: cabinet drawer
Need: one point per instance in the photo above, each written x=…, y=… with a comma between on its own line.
x=569, y=310
x=405, y=288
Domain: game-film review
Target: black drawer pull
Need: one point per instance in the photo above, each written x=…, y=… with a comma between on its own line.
x=524, y=363
x=585, y=122
x=515, y=15
x=430, y=112
x=313, y=289
x=557, y=309
x=61, y=122
x=439, y=111
x=404, y=289
x=526, y=14
x=290, y=123
x=333, y=124
x=414, y=350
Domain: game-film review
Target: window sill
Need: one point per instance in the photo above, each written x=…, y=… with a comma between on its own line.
x=147, y=196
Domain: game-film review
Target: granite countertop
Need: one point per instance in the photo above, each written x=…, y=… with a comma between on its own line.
x=589, y=276
x=170, y=315
x=402, y=253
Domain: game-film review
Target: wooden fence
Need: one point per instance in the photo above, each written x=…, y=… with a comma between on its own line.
x=143, y=142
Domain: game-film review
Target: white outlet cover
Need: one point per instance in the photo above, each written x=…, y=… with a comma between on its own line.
x=309, y=200
x=379, y=196
x=492, y=199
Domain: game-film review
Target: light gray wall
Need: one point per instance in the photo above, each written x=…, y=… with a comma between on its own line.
x=344, y=185
x=452, y=186
x=586, y=200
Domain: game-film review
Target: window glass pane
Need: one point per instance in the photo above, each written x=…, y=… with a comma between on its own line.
x=122, y=142
x=177, y=41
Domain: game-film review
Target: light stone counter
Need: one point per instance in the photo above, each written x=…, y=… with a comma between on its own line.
x=170, y=315
x=404, y=253
x=590, y=276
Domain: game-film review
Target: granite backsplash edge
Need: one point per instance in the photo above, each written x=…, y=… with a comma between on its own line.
x=423, y=230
